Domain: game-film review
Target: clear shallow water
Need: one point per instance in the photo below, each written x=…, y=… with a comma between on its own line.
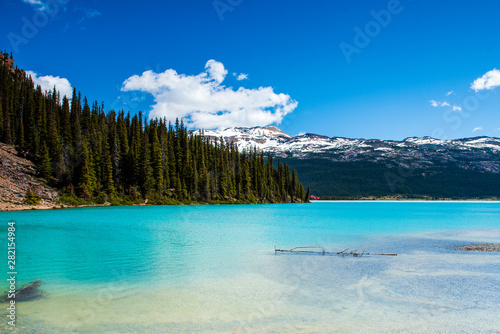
x=213, y=268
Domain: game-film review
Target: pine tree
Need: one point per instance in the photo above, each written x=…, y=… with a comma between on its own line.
x=204, y=181
x=86, y=122
x=146, y=180
x=245, y=177
x=53, y=136
x=295, y=190
x=40, y=119
x=76, y=133
x=109, y=183
x=171, y=158
x=65, y=121
x=163, y=150
x=6, y=138
x=179, y=191
x=44, y=164
x=29, y=120
x=20, y=138
x=308, y=194
x=86, y=174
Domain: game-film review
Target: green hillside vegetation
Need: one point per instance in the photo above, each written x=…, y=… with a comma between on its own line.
x=95, y=156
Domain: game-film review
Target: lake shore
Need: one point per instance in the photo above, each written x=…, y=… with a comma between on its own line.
x=5, y=206
x=50, y=205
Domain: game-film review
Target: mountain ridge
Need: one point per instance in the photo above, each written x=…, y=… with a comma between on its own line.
x=219, y=133
x=417, y=151
x=415, y=167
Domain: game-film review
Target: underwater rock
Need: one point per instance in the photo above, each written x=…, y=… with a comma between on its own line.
x=27, y=292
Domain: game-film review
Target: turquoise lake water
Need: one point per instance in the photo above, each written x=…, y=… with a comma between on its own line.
x=170, y=269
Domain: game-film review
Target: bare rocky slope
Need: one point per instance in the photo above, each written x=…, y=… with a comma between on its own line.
x=17, y=178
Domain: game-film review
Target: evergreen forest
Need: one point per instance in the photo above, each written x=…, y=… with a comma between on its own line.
x=93, y=155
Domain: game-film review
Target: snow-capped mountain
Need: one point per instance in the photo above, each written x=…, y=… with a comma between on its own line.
x=482, y=153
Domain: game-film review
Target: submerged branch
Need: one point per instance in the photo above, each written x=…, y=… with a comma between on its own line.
x=323, y=251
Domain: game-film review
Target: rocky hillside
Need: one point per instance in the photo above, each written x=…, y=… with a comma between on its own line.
x=17, y=179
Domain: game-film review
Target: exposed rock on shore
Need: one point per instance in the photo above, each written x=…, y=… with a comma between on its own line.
x=17, y=177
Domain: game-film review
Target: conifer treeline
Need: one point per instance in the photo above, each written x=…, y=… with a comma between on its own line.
x=92, y=154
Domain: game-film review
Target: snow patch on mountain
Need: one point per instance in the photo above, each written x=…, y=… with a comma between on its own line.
x=272, y=139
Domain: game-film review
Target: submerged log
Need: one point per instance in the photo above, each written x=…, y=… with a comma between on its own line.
x=27, y=292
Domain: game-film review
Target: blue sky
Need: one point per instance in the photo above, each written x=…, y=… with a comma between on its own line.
x=370, y=69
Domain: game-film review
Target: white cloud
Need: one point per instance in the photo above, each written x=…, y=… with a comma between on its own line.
x=33, y=2
x=497, y=129
x=45, y=5
x=36, y=4
x=435, y=103
x=479, y=128
x=450, y=93
x=88, y=13
x=204, y=103
x=48, y=82
x=241, y=76
x=489, y=80
x=215, y=70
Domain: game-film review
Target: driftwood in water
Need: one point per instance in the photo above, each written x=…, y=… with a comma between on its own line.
x=321, y=251
x=481, y=247
x=27, y=292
